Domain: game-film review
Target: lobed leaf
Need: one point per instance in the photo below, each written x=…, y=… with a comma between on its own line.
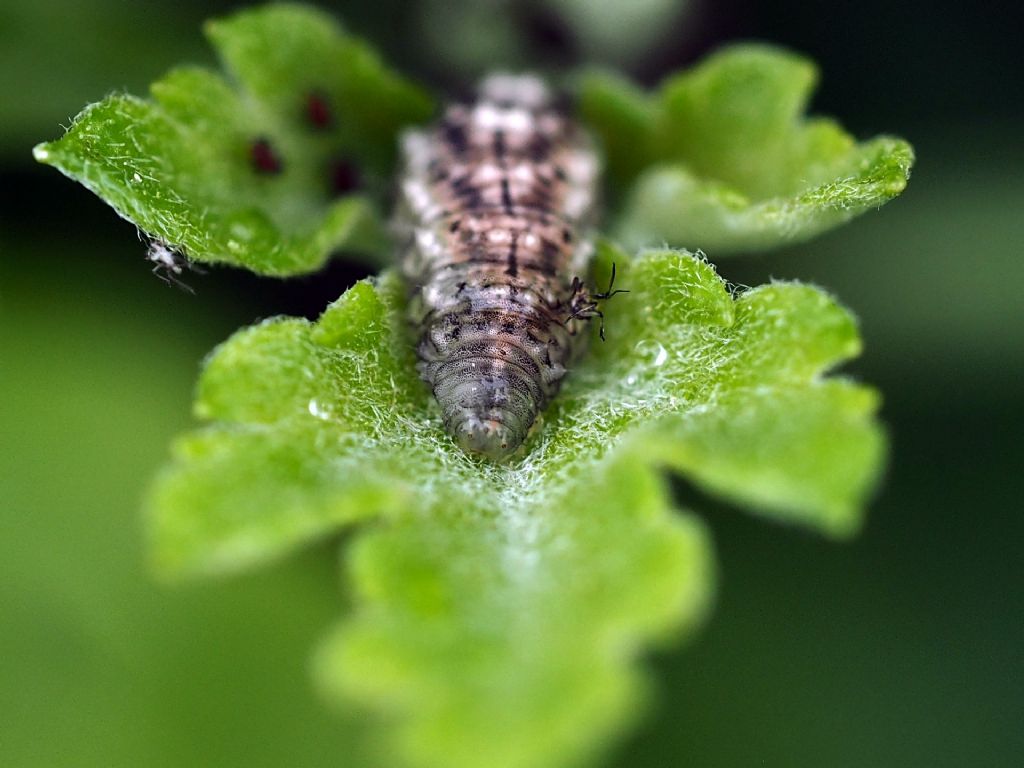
x=189, y=168
x=721, y=157
x=500, y=607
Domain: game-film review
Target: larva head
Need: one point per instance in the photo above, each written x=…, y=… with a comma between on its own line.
x=487, y=413
x=486, y=437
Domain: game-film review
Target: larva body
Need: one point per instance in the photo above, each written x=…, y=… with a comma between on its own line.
x=495, y=205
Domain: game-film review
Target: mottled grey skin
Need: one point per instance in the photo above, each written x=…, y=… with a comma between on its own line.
x=494, y=206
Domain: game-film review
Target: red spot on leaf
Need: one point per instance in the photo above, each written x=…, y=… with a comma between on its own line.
x=345, y=176
x=263, y=157
x=318, y=111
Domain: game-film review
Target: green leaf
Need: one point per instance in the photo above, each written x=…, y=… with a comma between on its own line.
x=721, y=156
x=624, y=118
x=181, y=166
x=499, y=608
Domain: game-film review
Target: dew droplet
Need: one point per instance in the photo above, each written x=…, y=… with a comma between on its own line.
x=318, y=411
x=653, y=352
x=662, y=356
x=241, y=230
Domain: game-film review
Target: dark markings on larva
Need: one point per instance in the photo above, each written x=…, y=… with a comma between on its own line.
x=539, y=148
x=513, y=268
x=506, y=196
x=499, y=147
x=345, y=176
x=497, y=201
x=473, y=200
x=550, y=252
x=455, y=135
x=547, y=270
x=539, y=198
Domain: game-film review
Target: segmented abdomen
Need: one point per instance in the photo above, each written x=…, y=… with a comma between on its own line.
x=494, y=205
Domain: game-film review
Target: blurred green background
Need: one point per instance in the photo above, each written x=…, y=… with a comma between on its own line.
x=902, y=648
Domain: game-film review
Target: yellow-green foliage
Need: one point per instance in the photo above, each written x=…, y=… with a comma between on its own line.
x=178, y=165
x=721, y=157
x=499, y=608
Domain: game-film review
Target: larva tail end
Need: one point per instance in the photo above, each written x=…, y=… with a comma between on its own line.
x=486, y=438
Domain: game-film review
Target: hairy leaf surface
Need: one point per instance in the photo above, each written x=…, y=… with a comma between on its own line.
x=186, y=166
x=499, y=607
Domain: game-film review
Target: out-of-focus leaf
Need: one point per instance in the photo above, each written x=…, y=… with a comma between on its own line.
x=271, y=170
x=722, y=158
